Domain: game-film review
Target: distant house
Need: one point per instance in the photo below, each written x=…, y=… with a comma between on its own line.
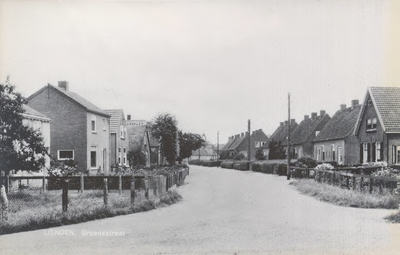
x=118, y=138
x=378, y=126
x=305, y=132
x=79, y=129
x=39, y=122
x=280, y=135
x=138, y=137
x=207, y=152
x=239, y=143
x=336, y=141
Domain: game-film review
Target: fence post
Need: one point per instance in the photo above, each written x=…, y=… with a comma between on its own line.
x=44, y=184
x=370, y=184
x=132, y=190
x=333, y=178
x=120, y=184
x=4, y=203
x=361, y=183
x=82, y=182
x=64, y=195
x=324, y=176
x=105, y=191
x=354, y=182
x=348, y=181
x=8, y=184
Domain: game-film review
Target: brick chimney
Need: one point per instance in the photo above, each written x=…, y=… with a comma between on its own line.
x=292, y=121
x=342, y=107
x=322, y=112
x=242, y=134
x=63, y=85
x=237, y=136
x=306, y=117
x=281, y=123
x=354, y=103
x=129, y=117
x=313, y=115
x=286, y=122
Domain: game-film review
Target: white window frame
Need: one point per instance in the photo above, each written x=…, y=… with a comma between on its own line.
x=93, y=121
x=378, y=151
x=365, y=152
x=333, y=152
x=59, y=158
x=371, y=124
x=93, y=149
x=318, y=154
x=323, y=152
x=340, y=156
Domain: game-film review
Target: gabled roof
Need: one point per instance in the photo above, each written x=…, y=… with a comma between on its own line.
x=340, y=125
x=306, y=127
x=259, y=136
x=228, y=144
x=136, y=136
x=204, y=151
x=117, y=115
x=237, y=142
x=153, y=141
x=75, y=98
x=32, y=112
x=280, y=134
x=386, y=101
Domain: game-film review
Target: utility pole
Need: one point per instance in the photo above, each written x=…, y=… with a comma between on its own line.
x=218, y=145
x=248, y=147
x=288, y=140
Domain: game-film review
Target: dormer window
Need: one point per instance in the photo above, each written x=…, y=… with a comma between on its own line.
x=371, y=124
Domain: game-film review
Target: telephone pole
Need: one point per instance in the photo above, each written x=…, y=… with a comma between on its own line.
x=248, y=141
x=288, y=140
x=218, y=145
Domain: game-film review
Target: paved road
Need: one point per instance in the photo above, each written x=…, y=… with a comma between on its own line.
x=225, y=212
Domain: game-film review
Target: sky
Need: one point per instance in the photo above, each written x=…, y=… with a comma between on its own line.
x=213, y=64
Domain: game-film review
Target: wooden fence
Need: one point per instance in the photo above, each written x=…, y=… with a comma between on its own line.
x=344, y=178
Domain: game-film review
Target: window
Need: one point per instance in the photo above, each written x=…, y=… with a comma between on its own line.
x=93, y=157
x=323, y=153
x=318, y=154
x=121, y=128
x=316, y=133
x=124, y=156
x=65, y=154
x=371, y=124
x=378, y=151
x=119, y=155
x=104, y=125
x=365, y=152
x=333, y=152
x=340, y=155
x=93, y=124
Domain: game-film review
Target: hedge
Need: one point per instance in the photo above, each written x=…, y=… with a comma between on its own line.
x=227, y=164
x=241, y=165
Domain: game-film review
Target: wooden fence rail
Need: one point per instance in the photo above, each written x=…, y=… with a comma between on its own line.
x=343, y=177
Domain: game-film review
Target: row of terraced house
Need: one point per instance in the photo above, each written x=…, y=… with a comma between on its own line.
x=361, y=133
x=74, y=128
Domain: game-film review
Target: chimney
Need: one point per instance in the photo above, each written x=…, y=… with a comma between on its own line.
x=129, y=117
x=242, y=135
x=322, y=112
x=252, y=133
x=313, y=115
x=281, y=123
x=342, y=107
x=237, y=136
x=63, y=85
x=292, y=121
x=286, y=122
x=354, y=103
x=306, y=117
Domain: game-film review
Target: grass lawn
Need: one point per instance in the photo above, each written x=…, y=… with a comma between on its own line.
x=345, y=197
x=30, y=209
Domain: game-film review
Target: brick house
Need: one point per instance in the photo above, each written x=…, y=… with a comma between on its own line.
x=280, y=134
x=336, y=141
x=118, y=138
x=305, y=132
x=378, y=126
x=138, y=137
x=79, y=129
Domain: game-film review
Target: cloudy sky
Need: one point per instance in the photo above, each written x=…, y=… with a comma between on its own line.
x=213, y=64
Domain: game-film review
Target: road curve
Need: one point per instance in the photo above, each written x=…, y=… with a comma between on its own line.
x=224, y=212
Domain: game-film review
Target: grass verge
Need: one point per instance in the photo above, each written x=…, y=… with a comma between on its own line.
x=31, y=210
x=343, y=197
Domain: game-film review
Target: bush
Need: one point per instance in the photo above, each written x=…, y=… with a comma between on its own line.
x=242, y=165
x=216, y=163
x=227, y=164
x=306, y=162
x=239, y=156
x=282, y=169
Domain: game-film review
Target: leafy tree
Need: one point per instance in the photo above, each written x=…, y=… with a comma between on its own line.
x=239, y=156
x=136, y=158
x=164, y=128
x=21, y=147
x=188, y=143
x=260, y=154
x=276, y=150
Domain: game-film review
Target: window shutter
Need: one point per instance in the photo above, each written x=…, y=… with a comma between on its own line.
x=381, y=156
x=373, y=152
x=361, y=153
x=368, y=152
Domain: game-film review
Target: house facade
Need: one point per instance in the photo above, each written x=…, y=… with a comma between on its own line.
x=80, y=130
x=336, y=141
x=302, y=136
x=118, y=138
x=138, y=137
x=280, y=135
x=38, y=122
x=378, y=126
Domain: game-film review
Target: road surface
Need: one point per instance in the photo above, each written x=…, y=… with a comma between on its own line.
x=224, y=212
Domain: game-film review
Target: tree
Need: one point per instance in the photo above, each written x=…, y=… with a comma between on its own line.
x=21, y=147
x=276, y=150
x=260, y=154
x=136, y=158
x=188, y=143
x=164, y=128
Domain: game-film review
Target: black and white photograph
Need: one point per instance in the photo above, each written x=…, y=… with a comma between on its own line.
x=197, y=127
